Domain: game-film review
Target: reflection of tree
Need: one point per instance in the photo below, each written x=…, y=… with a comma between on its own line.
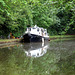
x=46, y=64
x=58, y=60
x=67, y=66
x=18, y=64
x=9, y=63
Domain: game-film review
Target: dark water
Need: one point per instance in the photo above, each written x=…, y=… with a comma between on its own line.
x=53, y=58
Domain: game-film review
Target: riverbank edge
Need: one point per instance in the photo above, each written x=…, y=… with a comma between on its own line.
x=62, y=37
x=9, y=40
x=55, y=37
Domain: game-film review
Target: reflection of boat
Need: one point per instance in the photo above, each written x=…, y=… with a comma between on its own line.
x=36, y=50
x=35, y=34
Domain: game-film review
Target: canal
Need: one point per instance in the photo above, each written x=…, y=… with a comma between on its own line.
x=53, y=58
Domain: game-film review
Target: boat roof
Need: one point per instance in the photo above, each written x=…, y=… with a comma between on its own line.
x=37, y=27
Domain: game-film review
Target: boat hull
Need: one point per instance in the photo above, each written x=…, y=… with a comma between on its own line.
x=33, y=38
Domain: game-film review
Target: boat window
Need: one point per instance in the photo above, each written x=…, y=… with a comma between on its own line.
x=42, y=30
x=29, y=29
x=34, y=28
x=37, y=29
x=29, y=53
x=37, y=54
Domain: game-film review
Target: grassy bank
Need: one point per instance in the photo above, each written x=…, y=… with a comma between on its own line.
x=62, y=37
x=8, y=40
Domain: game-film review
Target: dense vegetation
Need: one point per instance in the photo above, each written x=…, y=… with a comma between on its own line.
x=58, y=16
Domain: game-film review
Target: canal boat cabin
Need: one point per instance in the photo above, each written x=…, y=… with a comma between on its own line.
x=35, y=34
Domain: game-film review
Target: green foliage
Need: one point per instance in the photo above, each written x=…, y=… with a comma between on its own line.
x=58, y=16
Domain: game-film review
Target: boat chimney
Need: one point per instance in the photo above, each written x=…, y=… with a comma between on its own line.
x=35, y=26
